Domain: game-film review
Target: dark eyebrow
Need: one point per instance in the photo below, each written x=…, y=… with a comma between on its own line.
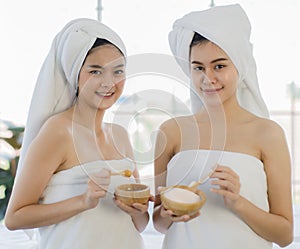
x=95, y=66
x=100, y=67
x=214, y=61
x=120, y=65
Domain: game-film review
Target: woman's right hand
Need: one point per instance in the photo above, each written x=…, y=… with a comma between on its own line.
x=165, y=213
x=97, y=188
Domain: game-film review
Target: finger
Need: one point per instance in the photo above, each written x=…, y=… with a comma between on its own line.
x=101, y=182
x=97, y=194
x=225, y=193
x=226, y=185
x=95, y=187
x=227, y=170
x=165, y=212
x=195, y=215
x=227, y=176
x=152, y=198
x=121, y=205
x=103, y=173
x=126, y=208
x=140, y=207
x=182, y=218
x=160, y=189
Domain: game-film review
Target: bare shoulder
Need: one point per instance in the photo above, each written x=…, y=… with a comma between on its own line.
x=270, y=137
x=54, y=136
x=173, y=131
x=176, y=123
x=58, y=126
x=268, y=129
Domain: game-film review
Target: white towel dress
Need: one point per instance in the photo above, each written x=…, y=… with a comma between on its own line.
x=104, y=227
x=217, y=227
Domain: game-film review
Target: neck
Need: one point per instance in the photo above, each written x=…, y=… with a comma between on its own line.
x=92, y=119
x=228, y=111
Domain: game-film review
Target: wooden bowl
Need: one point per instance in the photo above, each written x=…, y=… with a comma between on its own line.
x=180, y=206
x=133, y=193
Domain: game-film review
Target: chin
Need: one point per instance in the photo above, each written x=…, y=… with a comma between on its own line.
x=213, y=104
x=104, y=105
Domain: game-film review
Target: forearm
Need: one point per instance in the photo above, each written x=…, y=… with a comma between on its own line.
x=140, y=221
x=271, y=227
x=160, y=223
x=38, y=215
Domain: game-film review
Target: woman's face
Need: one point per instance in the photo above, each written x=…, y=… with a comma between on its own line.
x=102, y=77
x=213, y=74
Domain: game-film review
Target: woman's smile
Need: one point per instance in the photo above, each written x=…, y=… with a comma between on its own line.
x=211, y=90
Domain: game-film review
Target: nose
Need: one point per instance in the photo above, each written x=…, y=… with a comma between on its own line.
x=209, y=77
x=107, y=81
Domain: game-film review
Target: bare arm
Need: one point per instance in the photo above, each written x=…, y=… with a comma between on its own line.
x=138, y=212
x=277, y=224
x=164, y=151
x=44, y=156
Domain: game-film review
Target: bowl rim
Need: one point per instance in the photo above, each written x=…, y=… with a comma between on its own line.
x=126, y=193
x=198, y=192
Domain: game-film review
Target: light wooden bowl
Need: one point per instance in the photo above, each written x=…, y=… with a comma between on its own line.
x=133, y=193
x=180, y=208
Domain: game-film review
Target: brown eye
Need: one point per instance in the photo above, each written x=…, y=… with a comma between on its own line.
x=199, y=68
x=97, y=72
x=219, y=67
x=119, y=72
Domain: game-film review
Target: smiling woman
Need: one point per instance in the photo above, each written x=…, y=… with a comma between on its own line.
x=248, y=196
x=102, y=76
x=206, y=74
x=70, y=152
x=32, y=22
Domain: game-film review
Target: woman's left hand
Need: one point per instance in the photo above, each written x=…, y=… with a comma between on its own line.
x=229, y=185
x=135, y=209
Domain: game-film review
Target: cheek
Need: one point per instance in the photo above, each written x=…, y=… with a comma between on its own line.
x=83, y=79
x=196, y=80
x=233, y=80
x=120, y=85
x=87, y=85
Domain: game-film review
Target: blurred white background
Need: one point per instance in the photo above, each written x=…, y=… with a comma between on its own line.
x=28, y=28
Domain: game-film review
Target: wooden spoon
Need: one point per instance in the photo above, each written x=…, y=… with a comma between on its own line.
x=126, y=173
x=195, y=184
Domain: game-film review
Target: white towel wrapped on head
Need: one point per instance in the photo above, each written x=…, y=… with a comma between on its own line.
x=229, y=28
x=56, y=85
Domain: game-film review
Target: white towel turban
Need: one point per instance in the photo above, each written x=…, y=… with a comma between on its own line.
x=229, y=28
x=56, y=86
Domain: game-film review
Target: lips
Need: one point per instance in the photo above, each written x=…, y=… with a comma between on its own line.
x=105, y=94
x=211, y=90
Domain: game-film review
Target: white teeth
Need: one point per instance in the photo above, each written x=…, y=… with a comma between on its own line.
x=104, y=94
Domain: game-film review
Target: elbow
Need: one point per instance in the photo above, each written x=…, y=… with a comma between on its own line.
x=287, y=239
x=11, y=223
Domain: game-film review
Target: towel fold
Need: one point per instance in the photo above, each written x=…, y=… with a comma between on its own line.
x=56, y=85
x=229, y=28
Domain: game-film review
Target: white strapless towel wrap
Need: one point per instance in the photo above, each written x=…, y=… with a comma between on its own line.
x=56, y=86
x=103, y=227
x=217, y=227
x=229, y=28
